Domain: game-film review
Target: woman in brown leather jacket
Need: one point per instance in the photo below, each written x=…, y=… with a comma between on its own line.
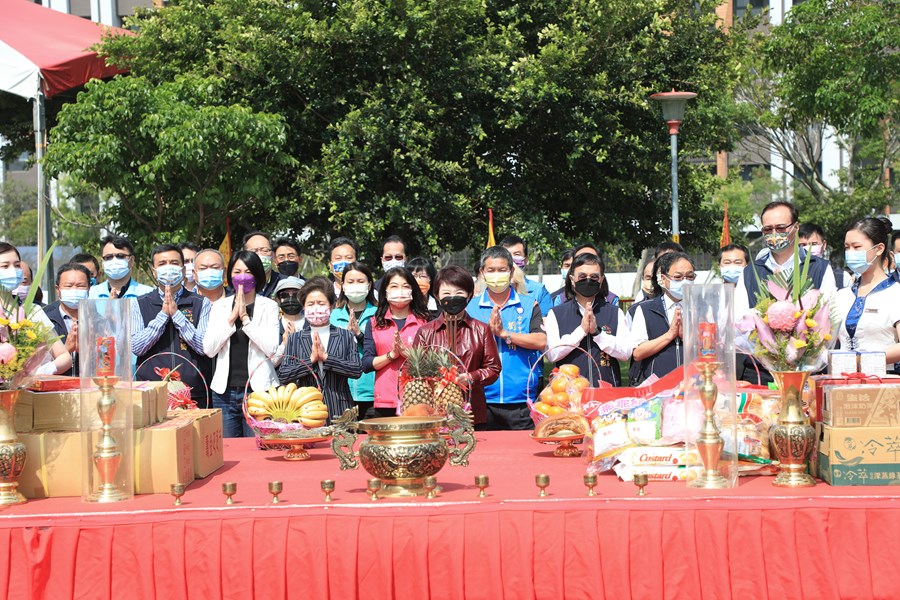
x=467, y=338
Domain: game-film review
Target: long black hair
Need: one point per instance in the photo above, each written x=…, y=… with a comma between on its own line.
x=251, y=260
x=587, y=258
x=418, y=305
x=358, y=266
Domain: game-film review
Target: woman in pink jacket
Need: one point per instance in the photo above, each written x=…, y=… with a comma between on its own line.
x=401, y=311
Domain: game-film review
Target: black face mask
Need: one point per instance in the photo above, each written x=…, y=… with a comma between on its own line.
x=288, y=268
x=587, y=287
x=454, y=304
x=290, y=306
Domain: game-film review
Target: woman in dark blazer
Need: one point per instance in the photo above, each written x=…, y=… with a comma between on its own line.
x=329, y=351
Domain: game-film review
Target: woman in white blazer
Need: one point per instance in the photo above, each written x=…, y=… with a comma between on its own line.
x=242, y=335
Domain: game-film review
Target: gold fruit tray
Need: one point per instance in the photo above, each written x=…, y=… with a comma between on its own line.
x=565, y=444
x=297, y=450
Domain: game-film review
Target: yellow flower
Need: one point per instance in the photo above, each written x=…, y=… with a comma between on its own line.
x=766, y=319
x=4, y=321
x=827, y=337
x=15, y=325
x=30, y=335
x=799, y=344
x=797, y=314
x=811, y=323
x=27, y=323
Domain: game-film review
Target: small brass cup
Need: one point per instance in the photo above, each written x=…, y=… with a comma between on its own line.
x=590, y=481
x=542, y=481
x=327, y=487
x=229, y=489
x=430, y=483
x=372, y=487
x=275, y=488
x=641, y=480
x=177, y=492
x=482, y=482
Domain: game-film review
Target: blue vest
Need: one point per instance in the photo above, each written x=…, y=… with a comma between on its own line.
x=817, y=269
x=666, y=360
x=170, y=341
x=568, y=317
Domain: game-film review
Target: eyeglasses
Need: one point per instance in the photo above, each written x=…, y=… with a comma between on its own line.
x=119, y=255
x=265, y=251
x=288, y=294
x=421, y=277
x=387, y=257
x=680, y=277
x=777, y=228
x=595, y=278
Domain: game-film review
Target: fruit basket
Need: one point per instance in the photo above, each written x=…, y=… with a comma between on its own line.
x=427, y=382
x=563, y=393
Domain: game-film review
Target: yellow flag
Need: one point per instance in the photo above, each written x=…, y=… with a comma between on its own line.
x=491, y=241
x=225, y=246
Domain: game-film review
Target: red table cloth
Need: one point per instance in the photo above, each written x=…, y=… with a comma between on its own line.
x=755, y=541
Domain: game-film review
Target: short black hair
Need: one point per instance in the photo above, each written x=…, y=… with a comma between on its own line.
x=253, y=234
x=341, y=241
x=662, y=266
x=577, y=250
x=393, y=239
x=189, y=246
x=807, y=230
x=118, y=242
x=7, y=247
x=318, y=284
x=795, y=214
x=587, y=258
x=286, y=241
x=73, y=266
x=166, y=248
x=731, y=247
x=253, y=263
x=894, y=238
x=667, y=246
x=456, y=276
x=513, y=240
x=570, y=253
x=84, y=257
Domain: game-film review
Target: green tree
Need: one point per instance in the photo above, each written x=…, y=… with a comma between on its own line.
x=414, y=117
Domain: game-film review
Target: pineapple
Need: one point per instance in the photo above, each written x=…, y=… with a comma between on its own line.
x=448, y=392
x=420, y=365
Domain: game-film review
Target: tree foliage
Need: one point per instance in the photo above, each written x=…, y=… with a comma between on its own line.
x=409, y=117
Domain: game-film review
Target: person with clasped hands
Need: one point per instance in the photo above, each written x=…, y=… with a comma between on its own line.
x=589, y=322
x=242, y=336
x=870, y=308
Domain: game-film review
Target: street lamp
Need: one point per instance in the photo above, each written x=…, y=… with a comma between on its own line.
x=673, y=114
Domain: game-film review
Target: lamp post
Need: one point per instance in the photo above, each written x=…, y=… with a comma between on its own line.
x=673, y=114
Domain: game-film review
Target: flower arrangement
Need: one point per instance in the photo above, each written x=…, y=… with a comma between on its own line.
x=791, y=328
x=23, y=342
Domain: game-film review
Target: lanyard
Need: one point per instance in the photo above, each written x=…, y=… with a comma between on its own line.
x=859, y=305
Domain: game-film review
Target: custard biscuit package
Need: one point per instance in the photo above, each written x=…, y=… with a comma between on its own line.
x=645, y=423
x=668, y=473
x=609, y=436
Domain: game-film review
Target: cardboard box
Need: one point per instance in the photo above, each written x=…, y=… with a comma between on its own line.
x=842, y=362
x=54, y=383
x=24, y=415
x=52, y=464
x=61, y=411
x=164, y=454
x=862, y=406
x=872, y=363
x=208, y=454
x=818, y=383
x=860, y=455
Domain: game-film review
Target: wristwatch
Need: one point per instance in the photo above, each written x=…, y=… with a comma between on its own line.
x=390, y=356
x=509, y=338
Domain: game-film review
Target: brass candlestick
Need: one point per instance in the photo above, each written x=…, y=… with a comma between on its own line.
x=590, y=480
x=275, y=488
x=327, y=487
x=229, y=489
x=641, y=480
x=430, y=485
x=542, y=481
x=106, y=453
x=709, y=442
x=177, y=492
x=482, y=482
x=372, y=487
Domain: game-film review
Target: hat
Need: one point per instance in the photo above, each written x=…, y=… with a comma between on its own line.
x=288, y=283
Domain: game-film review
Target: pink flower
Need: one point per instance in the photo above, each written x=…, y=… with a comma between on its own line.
x=765, y=334
x=778, y=292
x=7, y=353
x=781, y=316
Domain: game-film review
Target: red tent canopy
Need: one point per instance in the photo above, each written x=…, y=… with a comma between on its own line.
x=40, y=44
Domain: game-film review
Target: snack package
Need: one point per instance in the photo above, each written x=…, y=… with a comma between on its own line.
x=609, y=436
x=654, y=456
x=645, y=422
x=627, y=472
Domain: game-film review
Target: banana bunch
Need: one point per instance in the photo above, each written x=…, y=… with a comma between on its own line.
x=289, y=404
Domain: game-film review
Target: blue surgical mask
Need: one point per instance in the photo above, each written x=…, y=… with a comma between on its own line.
x=897, y=260
x=93, y=281
x=856, y=260
x=10, y=278
x=731, y=274
x=71, y=296
x=387, y=265
x=169, y=275
x=564, y=273
x=210, y=279
x=116, y=268
x=676, y=289
x=338, y=267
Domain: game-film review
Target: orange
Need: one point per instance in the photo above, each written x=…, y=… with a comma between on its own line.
x=546, y=393
x=579, y=383
x=570, y=370
x=542, y=408
x=561, y=399
x=557, y=410
x=560, y=383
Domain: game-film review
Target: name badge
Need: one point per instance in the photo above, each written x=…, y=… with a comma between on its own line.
x=873, y=311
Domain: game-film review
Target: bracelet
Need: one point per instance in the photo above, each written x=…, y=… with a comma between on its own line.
x=390, y=356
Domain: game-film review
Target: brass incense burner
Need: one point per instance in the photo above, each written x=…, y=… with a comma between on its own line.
x=403, y=451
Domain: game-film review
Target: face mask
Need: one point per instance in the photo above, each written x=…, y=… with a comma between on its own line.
x=338, y=268
x=210, y=279
x=520, y=261
x=117, y=268
x=777, y=241
x=93, y=281
x=288, y=268
x=70, y=297
x=587, y=287
x=816, y=250
x=356, y=292
x=453, y=305
x=290, y=306
x=856, y=260
x=21, y=291
x=497, y=282
x=10, y=278
x=189, y=272
x=392, y=264
x=647, y=287
x=676, y=289
x=169, y=275
x=897, y=260
x=564, y=273
x=244, y=281
x=267, y=263
x=731, y=274
x=399, y=297
x=317, y=316
x=424, y=286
